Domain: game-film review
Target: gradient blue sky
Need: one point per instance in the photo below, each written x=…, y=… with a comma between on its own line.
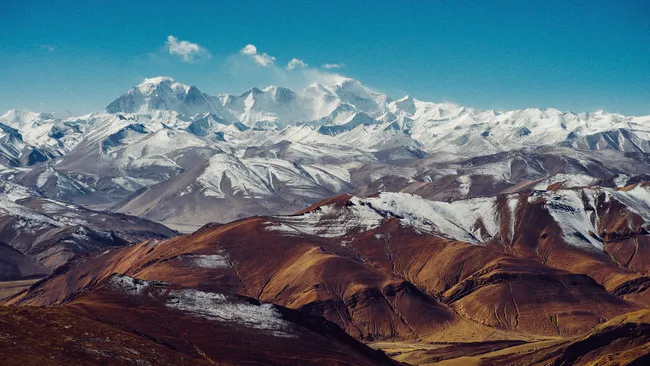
x=570, y=55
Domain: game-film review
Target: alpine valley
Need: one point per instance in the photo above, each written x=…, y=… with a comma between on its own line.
x=326, y=225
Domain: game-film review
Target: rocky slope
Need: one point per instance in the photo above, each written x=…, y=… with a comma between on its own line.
x=39, y=234
x=484, y=273
x=128, y=321
x=377, y=234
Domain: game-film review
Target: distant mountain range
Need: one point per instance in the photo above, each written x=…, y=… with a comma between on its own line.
x=171, y=153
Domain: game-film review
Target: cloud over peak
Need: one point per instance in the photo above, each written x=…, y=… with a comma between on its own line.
x=262, y=59
x=250, y=65
x=295, y=64
x=188, y=51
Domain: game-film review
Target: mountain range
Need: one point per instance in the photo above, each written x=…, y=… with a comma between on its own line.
x=327, y=225
x=171, y=153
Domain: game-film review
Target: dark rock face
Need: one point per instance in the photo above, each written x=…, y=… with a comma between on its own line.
x=14, y=265
x=45, y=234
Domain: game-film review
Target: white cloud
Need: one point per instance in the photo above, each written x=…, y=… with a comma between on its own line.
x=244, y=68
x=262, y=59
x=296, y=63
x=188, y=51
x=250, y=49
x=314, y=75
x=333, y=66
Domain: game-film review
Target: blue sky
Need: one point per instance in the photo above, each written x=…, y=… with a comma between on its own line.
x=570, y=55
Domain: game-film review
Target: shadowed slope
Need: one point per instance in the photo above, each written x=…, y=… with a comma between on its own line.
x=128, y=321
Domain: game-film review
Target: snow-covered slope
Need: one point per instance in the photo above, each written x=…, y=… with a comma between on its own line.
x=580, y=214
x=224, y=188
x=29, y=138
x=345, y=109
x=279, y=149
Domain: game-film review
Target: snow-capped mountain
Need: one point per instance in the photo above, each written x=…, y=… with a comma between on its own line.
x=169, y=152
x=29, y=138
x=271, y=105
x=164, y=93
x=347, y=104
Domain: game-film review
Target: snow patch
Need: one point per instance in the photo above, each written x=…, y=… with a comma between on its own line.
x=129, y=284
x=220, y=308
x=636, y=199
x=620, y=180
x=331, y=221
x=465, y=220
x=210, y=261
x=567, y=209
x=464, y=184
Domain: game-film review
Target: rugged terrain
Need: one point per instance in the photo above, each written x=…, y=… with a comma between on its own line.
x=547, y=266
x=322, y=223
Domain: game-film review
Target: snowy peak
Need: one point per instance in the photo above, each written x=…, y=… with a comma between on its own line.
x=271, y=96
x=161, y=86
x=15, y=117
x=165, y=94
x=352, y=92
x=281, y=95
x=405, y=104
x=158, y=80
x=161, y=81
x=357, y=119
x=270, y=105
x=342, y=104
